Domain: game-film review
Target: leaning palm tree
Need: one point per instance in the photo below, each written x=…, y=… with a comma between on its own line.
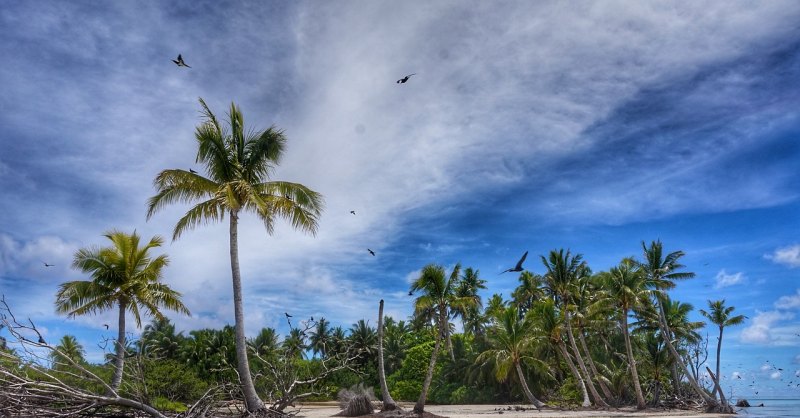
x=720, y=315
x=511, y=342
x=624, y=288
x=661, y=271
x=238, y=164
x=123, y=275
x=437, y=297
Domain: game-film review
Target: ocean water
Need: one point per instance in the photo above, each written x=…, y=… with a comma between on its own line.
x=771, y=408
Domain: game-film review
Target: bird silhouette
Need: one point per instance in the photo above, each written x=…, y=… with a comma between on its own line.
x=179, y=62
x=371, y=252
x=105, y=325
x=353, y=212
x=410, y=293
x=404, y=79
x=41, y=340
x=287, y=314
x=48, y=265
x=518, y=267
x=192, y=171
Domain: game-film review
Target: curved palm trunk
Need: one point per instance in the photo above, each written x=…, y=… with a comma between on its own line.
x=449, y=343
x=665, y=333
x=252, y=401
x=419, y=407
x=563, y=349
x=588, y=379
x=119, y=362
x=592, y=368
x=388, y=403
x=637, y=387
x=532, y=399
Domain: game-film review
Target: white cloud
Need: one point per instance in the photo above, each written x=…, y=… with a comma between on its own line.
x=789, y=302
x=789, y=256
x=736, y=375
x=765, y=367
x=760, y=330
x=724, y=279
x=775, y=375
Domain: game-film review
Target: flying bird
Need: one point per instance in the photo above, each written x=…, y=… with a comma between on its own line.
x=179, y=62
x=48, y=265
x=410, y=293
x=371, y=252
x=353, y=212
x=404, y=79
x=192, y=171
x=105, y=325
x=287, y=314
x=518, y=267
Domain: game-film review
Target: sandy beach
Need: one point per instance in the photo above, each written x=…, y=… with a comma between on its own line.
x=328, y=409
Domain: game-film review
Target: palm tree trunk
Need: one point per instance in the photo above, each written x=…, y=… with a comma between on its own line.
x=596, y=396
x=665, y=333
x=388, y=403
x=119, y=362
x=717, y=387
x=252, y=401
x=637, y=387
x=592, y=368
x=449, y=342
x=419, y=407
x=563, y=348
x=532, y=399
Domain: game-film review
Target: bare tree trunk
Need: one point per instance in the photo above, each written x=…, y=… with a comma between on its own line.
x=119, y=362
x=606, y=391
x=419, y=407
x=532, y=399
x=715, y=378
x=596, y=396
x=388, y=403
x=637, y=387
x=252, y=401
x=563, y=348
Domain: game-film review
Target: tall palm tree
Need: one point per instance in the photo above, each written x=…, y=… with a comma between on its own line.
x=295, y=344
x=238, y=164
x=511, y=343
x=661, y=272
x=720, y=315
x=266, y=342
x=561, y=280
x=437, y=296
x=123, y=274
x=159, y=339
x=320, y=339
x=468, y=288
x=527, y=292
x=363, y=341
x=388, y=403
x=624, y=287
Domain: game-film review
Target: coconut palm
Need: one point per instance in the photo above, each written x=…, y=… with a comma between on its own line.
x=468, y=287
x=720, y=315
x=238, y=164
x=294, y=345
x=123, y=275
x=388, y=403
x=561, y=279
x=266, y=342
x=437, y=297
x=363, y=341
x=159, y=339
x=624, y=288
x=68, y=351
x=661, y=272
x=320, y=339
x=527, y=292
x=511, y=343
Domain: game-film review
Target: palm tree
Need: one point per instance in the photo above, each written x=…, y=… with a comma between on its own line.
x=561, y=279
x=124, y=275
x=266, y=342
x=661, y=272
x=720, y=315
x=388, y=403
x=468, y=288
x=68, y=351
x=528, y=291
x=437, y=295
x=320, y=339
x=159, y=339
x=624, y=287
x=511, y=345
x=295, y=344
x=238, y=164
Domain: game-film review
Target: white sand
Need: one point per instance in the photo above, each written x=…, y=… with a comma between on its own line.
x=328, y=409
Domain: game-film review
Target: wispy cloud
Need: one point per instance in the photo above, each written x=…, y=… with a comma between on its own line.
x=789, y=302
x=724, y=279
x=761, y=328
x=788, y=256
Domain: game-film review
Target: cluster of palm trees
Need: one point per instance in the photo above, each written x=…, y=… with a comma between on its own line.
x=566, y=325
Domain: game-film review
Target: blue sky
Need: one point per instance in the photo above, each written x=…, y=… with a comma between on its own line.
x=529, y=126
